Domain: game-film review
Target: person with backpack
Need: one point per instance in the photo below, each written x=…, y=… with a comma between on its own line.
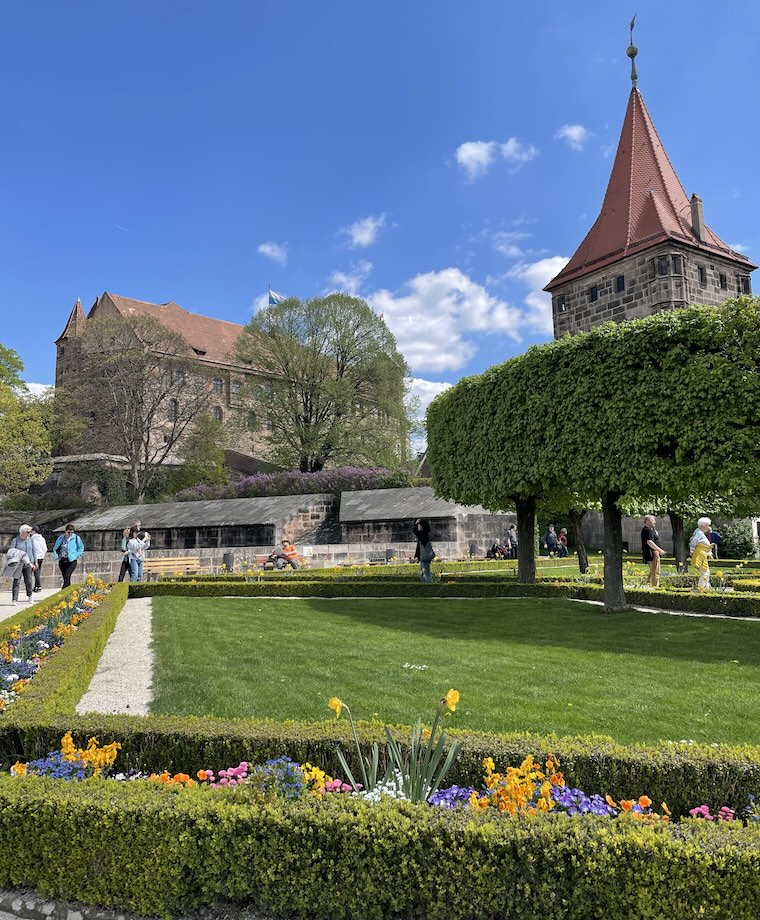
x=68, y=549
x=427, y=555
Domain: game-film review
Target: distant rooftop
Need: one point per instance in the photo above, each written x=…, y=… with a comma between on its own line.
x=399, y=505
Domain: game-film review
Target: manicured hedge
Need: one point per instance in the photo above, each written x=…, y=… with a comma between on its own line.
x=725, y=604
x=157, y=851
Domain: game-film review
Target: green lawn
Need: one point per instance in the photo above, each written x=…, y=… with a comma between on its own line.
x=520, y=664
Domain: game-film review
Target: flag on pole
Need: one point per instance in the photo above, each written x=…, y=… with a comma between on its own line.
x=274, y=298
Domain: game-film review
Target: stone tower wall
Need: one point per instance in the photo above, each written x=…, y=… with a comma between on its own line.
x=647, y=288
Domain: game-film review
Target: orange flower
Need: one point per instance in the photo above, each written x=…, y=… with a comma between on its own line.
x=645, y=801
x=626, y=804
x=610, y=801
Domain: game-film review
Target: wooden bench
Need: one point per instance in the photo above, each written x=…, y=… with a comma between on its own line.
x=177, y=565
x=262, y=562
x=378, y=558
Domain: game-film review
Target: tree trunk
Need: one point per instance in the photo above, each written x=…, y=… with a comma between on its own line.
x=576, y=518
x=614, y=595
x=526, y=547
x=679, y=541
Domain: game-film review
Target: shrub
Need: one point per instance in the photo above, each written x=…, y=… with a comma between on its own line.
x=738, y=542
x=153, y=850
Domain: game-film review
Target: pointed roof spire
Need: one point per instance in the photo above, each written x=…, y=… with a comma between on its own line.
x=645, y=204
x=75, y=322
x=632, y=52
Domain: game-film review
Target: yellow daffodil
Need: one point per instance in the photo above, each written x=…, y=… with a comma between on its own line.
x=18, y=769
x=452, y=699
x=336, y=705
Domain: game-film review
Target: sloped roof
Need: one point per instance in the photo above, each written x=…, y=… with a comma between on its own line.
x=644, y=204
x=223, y=512
x=399, y=505
x=75, y=322
x=210, y=339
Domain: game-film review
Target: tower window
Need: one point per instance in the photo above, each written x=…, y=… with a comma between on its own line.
x=561, y=303
x=236, y=387
x=702, y=275
x=218, y=414
x=218, y=385
x=593, y=293
x=745, y=285
x=723, y=282
x=676, y=264
x=663, y=266
x=620, y=283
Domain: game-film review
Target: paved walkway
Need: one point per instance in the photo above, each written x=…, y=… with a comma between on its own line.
x=124, y=678
x=7, y=610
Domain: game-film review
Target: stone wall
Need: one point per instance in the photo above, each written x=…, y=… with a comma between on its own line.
x=593, y=531
x=661, y=278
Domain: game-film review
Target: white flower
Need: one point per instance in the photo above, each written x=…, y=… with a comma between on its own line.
x=11, y=678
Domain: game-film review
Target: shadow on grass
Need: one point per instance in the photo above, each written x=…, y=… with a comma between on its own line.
x=547, y=622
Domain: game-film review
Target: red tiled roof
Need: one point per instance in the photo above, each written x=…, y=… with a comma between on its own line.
x=644, y=204
x=211, y=339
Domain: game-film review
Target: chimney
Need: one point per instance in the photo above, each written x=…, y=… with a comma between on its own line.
x=697, y=218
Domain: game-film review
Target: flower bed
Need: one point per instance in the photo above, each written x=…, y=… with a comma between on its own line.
x=25, y=651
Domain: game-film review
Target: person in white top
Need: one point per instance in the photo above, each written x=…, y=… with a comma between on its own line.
x=40, y=551
x=700, y=549
x=136, y=549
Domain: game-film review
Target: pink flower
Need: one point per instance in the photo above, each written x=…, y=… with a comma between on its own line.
x=726, y=814
x=702, y=811
x=224, y=782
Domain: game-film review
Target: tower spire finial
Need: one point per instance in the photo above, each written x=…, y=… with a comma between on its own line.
x=632, y=52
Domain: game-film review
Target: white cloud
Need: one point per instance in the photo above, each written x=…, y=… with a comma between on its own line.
x=505, y=242
x=277, y=252
x=38, y=390
x=575, y=136
x=515, y=152
x=351, y=281
x=423, y=392
x=475, y=157
x=433, y=318
x=738, y=247
x=534, y=276
x=363, y=233
x=259, y=303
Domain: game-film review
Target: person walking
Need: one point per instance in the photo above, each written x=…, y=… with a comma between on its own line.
x=40, y=551
x=716, y=539
x=68, y=549
x=551, y=540
x=700, y=547
x=136, y=547
x=19, y=563
x=563, y=550
x=420, y=529
x=126, y=535
x=427, y=555
x=513, y=541
x=651, y=549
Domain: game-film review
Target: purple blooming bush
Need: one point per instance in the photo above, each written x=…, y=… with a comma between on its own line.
x=340, y=479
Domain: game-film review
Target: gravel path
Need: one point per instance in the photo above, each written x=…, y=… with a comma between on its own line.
x=123, y=680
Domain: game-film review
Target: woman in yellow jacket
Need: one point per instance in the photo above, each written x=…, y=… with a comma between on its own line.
x=701, y=551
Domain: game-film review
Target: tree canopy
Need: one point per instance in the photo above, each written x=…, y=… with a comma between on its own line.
x=660, y=407
x=24, y=440
x=332, y=383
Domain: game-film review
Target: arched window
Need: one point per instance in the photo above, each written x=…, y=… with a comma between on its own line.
x=172, y=410
x=218, y=414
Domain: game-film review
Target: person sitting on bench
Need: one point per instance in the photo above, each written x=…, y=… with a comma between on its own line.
x=286, y=555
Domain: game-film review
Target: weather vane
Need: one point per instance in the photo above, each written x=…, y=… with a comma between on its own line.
x=632, y=52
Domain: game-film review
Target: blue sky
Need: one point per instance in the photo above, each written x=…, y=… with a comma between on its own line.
x=436, y=157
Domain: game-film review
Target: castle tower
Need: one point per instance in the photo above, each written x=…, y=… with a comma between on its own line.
x=649, y=249
x=66, y=360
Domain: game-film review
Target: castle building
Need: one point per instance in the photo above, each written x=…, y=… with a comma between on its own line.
x=211, y=343
x=649, y=249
